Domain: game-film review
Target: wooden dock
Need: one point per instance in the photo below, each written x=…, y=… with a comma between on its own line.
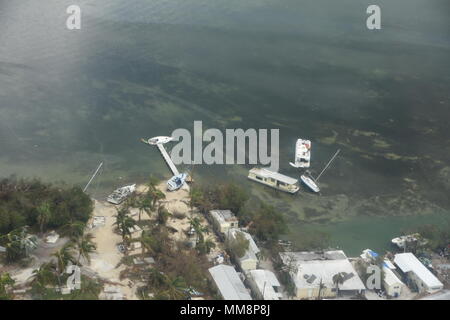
x=168, y=160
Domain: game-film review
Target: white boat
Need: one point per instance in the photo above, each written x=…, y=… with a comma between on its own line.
x=274, y=179
x=401, y=241
x=302, y=154
x=119, y=195
x=310, y=182
x=158, y=140
x=176, y=182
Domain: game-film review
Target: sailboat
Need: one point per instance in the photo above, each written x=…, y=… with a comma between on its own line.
x=312, y=183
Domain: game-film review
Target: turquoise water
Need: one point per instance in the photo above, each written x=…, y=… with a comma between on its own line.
x=71, y=99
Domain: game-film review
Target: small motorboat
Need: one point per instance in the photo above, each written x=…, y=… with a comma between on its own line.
x=176, y=182
x=119, y=195
x=302, y=154
x=158, y=140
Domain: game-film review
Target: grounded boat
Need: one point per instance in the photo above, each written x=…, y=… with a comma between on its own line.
x=274, y=179
x=176, y=182
x=119, y=195
x=401, y=241
x=309, y=181
x=302, y=154
x=312, y=183
x=157, y=140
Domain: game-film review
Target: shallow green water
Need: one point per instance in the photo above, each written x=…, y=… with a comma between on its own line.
x=69, y=100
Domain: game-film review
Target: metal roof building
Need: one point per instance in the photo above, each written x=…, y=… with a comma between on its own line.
x=228, y=282
x=264, y=282
x=424, y=279
x=313, y=269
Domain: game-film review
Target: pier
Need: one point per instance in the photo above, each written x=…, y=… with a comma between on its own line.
x=168, y=160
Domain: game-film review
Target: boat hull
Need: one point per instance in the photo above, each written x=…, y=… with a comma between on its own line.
x=310, y=183
x=159, y=140
x=172, y=184
x=302, y=154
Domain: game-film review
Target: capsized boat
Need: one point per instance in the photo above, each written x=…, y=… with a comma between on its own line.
x=119, y=195
x=302, y=154
x=312, y=183
x=158, y=140
x=176, y=182
x=309, y=181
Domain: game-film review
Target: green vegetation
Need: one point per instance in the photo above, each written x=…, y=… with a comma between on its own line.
x=239, y=245
x=39, y=207
x=6, y=284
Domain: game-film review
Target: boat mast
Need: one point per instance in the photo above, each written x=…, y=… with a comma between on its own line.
x=93, y=176
x=328, y=164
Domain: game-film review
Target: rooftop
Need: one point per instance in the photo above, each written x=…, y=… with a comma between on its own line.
x=408, y=262
x=274, y=175
x=229, y=283
x=252, y=250
x=390, y=278
x=265, y=281
x=223, y=215
x=313, y=268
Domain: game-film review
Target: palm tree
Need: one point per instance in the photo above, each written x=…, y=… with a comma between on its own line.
x=63, y=258
x=144, y=205
x=176, y=288
x=321, y=287
x=44, y=276
x=85, y=247
x=73, y=229
x=195, y=196
x=156, y=279
x=338, y=279
x=44, y=213
x=124, y=222
x=153, y=192
x=196, y=224
x=147, y=243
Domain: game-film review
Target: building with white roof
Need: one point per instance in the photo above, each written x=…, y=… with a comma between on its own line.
x=228, y=283
x=314, y=274
x=391, y=283
x=416, y=272
x=264, y=284
x=249, y=260
x=223, y=220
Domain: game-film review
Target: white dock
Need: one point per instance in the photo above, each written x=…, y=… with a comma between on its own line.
x=168, y=159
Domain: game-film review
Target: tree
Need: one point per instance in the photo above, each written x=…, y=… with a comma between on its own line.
x=268, y=224
x=153, y=192
x=44, y=214
x=6, y=284
x=18, y=244
x=86, y=246
x=44, y=276
x=175, y=288
x=73, y=230
x=163, y=215
x=238, y=244
x=321, y=287
x=144, y=205
x=124, y=223
x=338, y=279
x=232, y=197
